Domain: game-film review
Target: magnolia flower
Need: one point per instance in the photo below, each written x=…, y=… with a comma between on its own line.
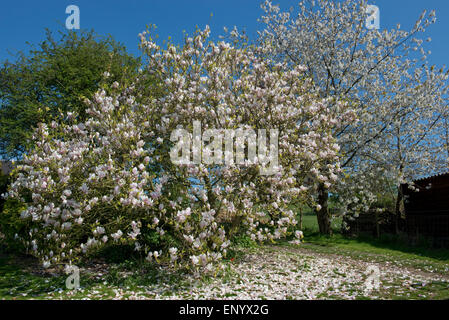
x=66, y=225
x=195, y=260
x=299, y=234
x=149, y=256
x=117, y=235
x=84, y=188
x=183, y=214
x=99, y=230
x=196, y=244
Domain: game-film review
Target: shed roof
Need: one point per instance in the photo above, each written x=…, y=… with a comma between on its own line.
x=438, y=175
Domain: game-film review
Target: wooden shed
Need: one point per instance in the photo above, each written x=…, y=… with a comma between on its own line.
x=427, y=209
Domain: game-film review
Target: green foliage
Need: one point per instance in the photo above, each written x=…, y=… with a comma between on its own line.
x=56, y=76
x=4, y=182
x=117, y=253
x=244, y=241
x=385, y=201
x=11, y=224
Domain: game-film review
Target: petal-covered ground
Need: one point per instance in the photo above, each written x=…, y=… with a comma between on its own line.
x=284, y=272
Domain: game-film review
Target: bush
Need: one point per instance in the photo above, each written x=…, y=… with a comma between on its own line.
x=4, y=183
x=13, y=229
x=11, y=225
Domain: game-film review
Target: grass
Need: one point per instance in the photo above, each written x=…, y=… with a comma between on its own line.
x=21, y=277
x=18, y=282
x=386, y=248
x=437, y=290
x=310, y=224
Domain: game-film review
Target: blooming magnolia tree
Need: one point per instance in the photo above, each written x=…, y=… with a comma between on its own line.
x=112, y=179
x=82, y=180
x=399, y=100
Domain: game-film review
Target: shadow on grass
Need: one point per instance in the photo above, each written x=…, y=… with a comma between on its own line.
x=18, y=281
x=386, y=244
x=22, y=277
x=389, y=244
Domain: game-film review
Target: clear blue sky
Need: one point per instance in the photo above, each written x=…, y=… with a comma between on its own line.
x=25, y=20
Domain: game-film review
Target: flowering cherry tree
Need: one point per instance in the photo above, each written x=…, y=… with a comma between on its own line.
x=383, y=74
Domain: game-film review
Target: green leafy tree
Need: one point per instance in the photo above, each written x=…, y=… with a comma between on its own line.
x=56, y=76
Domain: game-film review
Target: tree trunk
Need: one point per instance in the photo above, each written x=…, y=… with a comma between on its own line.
x=324, y=223
x=398, y=209
x=376, y=217
x=300, y=218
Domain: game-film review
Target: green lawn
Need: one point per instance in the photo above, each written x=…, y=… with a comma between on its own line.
x=383, y=249
x=22, y=278
x=310, y=224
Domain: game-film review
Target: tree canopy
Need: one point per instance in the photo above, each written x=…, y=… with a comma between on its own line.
x=54, y=77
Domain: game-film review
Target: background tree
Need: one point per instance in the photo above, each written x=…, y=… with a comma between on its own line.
x=384, y=73
x=55, y=76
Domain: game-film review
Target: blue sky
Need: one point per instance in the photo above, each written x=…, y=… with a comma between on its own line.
x=22, y=21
